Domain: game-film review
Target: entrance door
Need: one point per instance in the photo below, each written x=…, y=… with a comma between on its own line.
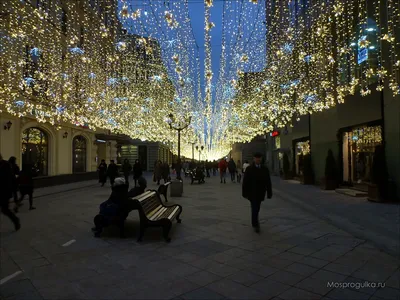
x=358, y=150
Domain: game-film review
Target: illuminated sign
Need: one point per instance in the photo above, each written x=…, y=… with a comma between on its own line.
x=274, y=133
x=362, y=50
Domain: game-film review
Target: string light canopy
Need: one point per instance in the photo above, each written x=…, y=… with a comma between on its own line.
x=125, y=65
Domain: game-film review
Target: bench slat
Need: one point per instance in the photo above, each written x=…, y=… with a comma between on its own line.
x=153, y=212
x=158, y=213
x=144, y=196
x=172, y=215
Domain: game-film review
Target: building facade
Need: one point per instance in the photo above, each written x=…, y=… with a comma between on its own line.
x=33, y=131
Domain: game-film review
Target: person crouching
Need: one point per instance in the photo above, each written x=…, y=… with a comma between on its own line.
x=112, y=210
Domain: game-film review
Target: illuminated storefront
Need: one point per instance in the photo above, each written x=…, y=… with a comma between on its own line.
x=358, y=146
x=301, y=148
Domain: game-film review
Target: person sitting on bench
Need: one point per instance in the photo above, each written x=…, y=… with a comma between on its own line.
x=138, y=190
x=112, y=211
x=200, y=174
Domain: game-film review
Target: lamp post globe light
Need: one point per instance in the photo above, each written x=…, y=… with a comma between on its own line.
x=178, y=126
x=200, y=149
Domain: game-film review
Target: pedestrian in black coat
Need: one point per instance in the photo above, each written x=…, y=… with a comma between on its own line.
x=6, y=180
x=137, y=171
x=112, y=171
x=256, y=184
x=26, y=186
x=15, y=172
x=102, y=169
x=126, y=169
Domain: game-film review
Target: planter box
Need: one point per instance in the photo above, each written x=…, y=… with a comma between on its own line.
x=286, y=177
x=306, y=180
x=329, y=184
x=373, y=193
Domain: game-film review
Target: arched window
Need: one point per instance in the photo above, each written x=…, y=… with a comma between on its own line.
x=79, y=154
x=35, y=150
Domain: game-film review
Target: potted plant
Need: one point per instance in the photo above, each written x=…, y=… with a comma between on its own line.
x=286, y=167
x=378, y=188
x=308, y=174
x=331, y=182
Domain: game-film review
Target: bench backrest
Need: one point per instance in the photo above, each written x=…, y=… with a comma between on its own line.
x=149, y=201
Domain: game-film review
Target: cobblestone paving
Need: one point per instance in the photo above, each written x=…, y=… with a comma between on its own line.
x=214, y=254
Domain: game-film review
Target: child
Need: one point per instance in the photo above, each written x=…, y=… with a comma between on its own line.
x=25, y=181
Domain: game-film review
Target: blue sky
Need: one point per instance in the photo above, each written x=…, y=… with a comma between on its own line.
x=196, y=11
x=245, y=20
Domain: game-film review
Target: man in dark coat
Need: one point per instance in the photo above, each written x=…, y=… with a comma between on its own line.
x=126, y=169
x=137, y=171
x=112, y=171
x=6, y=191
x=102, y=169
x=256, y=184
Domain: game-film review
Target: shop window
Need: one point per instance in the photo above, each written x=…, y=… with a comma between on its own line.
x=79, y=154
x=358, y=151
x=35, y=151
x=277, y=142
x=302, y=149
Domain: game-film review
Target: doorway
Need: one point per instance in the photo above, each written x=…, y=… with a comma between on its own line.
x=358, y=150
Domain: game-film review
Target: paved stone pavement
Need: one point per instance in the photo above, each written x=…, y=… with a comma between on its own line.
x=375, y=222
x=214, y=254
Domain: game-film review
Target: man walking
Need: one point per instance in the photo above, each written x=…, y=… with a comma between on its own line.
x=6, y=191
x=112, y=171
x=256, y=183
x=222, y=169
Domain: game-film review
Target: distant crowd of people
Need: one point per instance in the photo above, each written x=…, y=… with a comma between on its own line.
x=15, y=184
x=111, y=171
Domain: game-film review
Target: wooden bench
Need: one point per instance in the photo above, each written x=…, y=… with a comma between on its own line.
x=193, y=177
x=153, y=213
x=163, y=189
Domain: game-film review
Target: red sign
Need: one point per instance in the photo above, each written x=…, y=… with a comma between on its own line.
x=274, y=133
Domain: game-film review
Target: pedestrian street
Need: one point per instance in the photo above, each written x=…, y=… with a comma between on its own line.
x=214, y=252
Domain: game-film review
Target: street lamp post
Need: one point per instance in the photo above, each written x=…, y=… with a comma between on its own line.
x=178, y=126
x=192, y=151
x=199, y=149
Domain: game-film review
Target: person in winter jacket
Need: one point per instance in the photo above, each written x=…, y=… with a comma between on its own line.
x=102, y=169
x=126, y=169
x=232, y=169
x=25, y=181
x=222, y=166
x=256, y=185
x=158, y=172
x=165, y=174
x=113, y=210
x=6, y=192
x=245, y=165
x=15, y=171
x=137, y=171
x=112, y=171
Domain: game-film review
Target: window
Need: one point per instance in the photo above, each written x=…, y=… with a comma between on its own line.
x=79, y=154
x=35, y=151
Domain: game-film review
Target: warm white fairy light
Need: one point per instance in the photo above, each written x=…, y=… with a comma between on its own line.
x=86, y=72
